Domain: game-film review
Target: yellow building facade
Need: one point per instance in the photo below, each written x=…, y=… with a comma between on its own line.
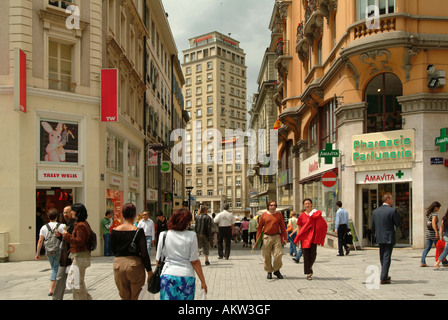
x=362, y=97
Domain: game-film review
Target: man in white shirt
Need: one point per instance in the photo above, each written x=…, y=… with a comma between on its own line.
x=341, y=227
x=148, y=227
x=226, y=222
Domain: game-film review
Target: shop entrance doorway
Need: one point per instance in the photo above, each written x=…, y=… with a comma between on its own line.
x=47, y=199
x=371, y=199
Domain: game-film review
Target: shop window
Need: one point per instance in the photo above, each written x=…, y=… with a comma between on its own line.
x=383, y=109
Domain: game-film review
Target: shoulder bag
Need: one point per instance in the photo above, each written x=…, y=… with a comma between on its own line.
x=154, y=281
x=133, y=247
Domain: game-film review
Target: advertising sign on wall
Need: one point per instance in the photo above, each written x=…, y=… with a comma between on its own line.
x=58, y=141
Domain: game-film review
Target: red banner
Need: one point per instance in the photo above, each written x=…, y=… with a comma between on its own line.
x=109, y=95
x=19, y=80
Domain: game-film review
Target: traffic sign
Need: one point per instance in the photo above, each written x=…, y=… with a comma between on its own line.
x=329, y=179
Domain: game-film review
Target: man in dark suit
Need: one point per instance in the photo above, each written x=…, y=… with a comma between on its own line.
x=384, y=221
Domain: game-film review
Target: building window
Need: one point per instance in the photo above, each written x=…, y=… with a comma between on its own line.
x=384, y=6
x=114, y=153
x=312, y=132
x=328, y=127
x=133, y=167
x=383, y=109
x=60, y=4
x=60, y=66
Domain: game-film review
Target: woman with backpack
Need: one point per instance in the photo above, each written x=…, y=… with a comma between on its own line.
x=79, y=252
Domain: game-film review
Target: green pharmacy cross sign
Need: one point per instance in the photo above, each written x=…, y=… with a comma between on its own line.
x=328, y=153
x=442, y=141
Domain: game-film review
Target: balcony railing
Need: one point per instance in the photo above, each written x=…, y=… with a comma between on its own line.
x=385, y=25
x=282, y=48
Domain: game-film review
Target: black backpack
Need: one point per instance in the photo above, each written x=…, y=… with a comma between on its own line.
x=92, y=243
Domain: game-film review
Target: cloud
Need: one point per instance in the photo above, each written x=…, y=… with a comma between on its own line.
x=246, y=20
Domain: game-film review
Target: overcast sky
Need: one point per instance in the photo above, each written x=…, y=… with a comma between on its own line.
x=246, y=20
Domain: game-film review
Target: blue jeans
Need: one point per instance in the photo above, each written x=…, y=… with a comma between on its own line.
x=54, y=263
x=429, y=244
x=107, y=248
x=148, y=244
x=292, y=245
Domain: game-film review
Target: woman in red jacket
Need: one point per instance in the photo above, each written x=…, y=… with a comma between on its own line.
x=312, y=229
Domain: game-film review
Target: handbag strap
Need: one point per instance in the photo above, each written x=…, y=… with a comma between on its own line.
x=135, y=235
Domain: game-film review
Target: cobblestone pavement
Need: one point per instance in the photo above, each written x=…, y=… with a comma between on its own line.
x=242, y=278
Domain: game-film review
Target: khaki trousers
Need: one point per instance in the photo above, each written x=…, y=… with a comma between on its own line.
x=82, y=260
x=272, y=246
x=129, y=274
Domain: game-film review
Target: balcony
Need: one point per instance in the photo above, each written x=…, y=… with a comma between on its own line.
x=386, y=24
x=282, y=56
x=314, y=25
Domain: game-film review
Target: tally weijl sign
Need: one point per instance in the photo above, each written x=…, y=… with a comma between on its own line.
x=59, y=175
x=386, y=148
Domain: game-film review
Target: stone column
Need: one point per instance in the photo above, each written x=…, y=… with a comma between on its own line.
x=350, y=122
x=426, y=113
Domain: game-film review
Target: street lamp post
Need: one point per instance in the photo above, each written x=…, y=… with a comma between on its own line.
x=189, y=188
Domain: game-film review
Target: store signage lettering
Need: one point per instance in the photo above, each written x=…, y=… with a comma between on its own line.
x=62, y=175
x=56, y=175
x=366, y=150
x=389, y=176
x=313, y=166
x=379, y=178
x=202, y=39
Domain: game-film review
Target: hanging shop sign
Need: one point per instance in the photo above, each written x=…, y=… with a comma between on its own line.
x=383, y=147
x=328, y=153
x=109, y=95
x=19, y=80
x=442, y=141
x=165, y=167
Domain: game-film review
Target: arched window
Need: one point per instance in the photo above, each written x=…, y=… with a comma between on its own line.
x=383, y=109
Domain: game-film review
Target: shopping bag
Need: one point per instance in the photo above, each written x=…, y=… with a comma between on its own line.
x=73, y=279
x=440, y=246
x=260, y=238
x=202, y=295
x=145, y=294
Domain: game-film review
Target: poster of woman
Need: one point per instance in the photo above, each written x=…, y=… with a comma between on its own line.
x=58, y=141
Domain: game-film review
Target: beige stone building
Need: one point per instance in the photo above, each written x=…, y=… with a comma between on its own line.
x=215, y=99
x=263, y=116
x=59, y=150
